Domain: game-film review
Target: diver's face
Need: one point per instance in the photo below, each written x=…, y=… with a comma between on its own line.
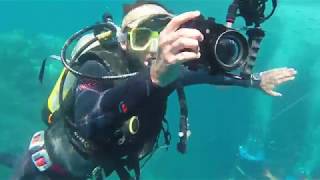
x=145, y=57
x=143, y=41
x=134, y=44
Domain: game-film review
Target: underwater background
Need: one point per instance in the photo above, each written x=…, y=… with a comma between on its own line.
x=283, y=131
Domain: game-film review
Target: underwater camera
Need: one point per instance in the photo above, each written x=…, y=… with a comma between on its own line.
x=223, y=49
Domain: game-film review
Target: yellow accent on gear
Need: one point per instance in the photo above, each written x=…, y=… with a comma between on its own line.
x=50, y=118
x=104, y=36
x=53, y=100
x=132, y=120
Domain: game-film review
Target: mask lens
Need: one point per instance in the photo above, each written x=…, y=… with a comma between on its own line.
x=140, y=37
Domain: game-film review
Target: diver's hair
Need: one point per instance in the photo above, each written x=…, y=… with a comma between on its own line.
x=129, y=7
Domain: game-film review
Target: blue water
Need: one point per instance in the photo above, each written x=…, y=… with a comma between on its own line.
x=285, y=129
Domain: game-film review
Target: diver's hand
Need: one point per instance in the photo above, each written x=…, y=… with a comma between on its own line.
x=176, y=46
x=272, y=78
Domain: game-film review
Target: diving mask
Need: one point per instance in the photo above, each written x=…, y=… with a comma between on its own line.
x=145, y=35
x=142, y=39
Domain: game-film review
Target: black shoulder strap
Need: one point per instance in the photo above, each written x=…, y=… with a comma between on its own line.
x=184, y=124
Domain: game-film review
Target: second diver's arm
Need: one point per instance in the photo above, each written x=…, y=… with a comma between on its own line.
x=188, y=78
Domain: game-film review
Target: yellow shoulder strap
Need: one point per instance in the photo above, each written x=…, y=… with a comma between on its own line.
x=53, y=100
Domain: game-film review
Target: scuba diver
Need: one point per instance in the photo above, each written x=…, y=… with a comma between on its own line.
x=251, y=162
x=110, y=117
x=254, y=165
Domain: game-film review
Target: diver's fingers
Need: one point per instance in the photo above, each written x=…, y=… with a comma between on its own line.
x=185, y=43
x=179, y=20
x=292, y=71
x=273, y=93
x=283, y=77
x=274, y=76
x=284, y=72
x=283, y=80
x=270, y=72
x=287, y=73
x=188, y=33
x=186, y=56
x=275, y=70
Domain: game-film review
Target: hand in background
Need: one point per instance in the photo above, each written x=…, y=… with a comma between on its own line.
x=272, y=78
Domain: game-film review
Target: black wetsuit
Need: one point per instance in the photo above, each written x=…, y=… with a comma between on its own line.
x=100, y=109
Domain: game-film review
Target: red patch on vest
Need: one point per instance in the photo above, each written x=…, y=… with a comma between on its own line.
x=86, y=86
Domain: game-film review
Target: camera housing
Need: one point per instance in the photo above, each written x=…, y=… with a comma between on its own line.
x=223, y=49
